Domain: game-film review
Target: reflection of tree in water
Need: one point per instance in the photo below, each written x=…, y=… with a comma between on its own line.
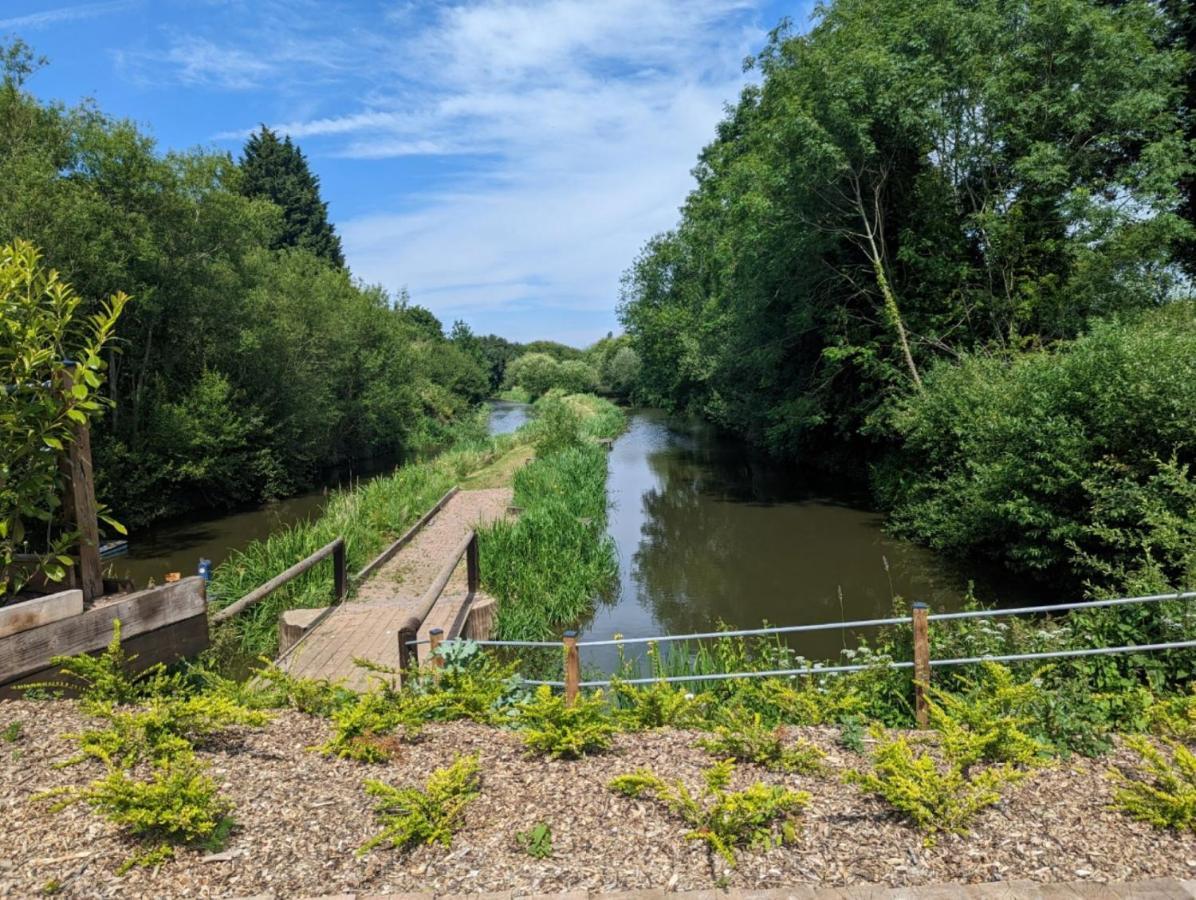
x=725, y=536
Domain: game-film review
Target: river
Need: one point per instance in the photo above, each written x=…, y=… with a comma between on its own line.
x=706, y=532
x=709, y=532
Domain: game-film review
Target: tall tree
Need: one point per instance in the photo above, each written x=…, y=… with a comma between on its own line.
x=277, y=170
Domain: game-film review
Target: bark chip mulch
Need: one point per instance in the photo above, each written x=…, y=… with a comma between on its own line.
x=300, y=818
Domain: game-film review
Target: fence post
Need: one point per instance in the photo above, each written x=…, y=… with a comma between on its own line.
x=472, y=568
x=572, y=668
x=407, y=653
x=339, y=580
x=921, y=662
x=81, y=500
x=435, y=637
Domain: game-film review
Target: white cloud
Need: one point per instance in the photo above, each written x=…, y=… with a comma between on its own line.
x=568, y=127
x=64, y=14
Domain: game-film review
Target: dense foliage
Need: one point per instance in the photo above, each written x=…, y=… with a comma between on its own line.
x=248, y=358
x=51, y=370
x=914, y=197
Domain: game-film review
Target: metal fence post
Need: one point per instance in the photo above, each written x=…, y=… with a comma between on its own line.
x=921, y=662
x=572, y=668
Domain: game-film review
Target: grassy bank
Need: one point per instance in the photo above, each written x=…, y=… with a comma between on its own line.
x=368, y=517
x=546, y=568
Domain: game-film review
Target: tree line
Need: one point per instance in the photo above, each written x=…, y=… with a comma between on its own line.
x=933, y=247
x=248, y=357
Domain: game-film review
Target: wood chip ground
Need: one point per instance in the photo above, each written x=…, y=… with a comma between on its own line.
x=301, y=818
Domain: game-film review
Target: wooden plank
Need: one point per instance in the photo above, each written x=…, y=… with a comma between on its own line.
x=176, y=641
x=28, y=651
x=81, y=493
x=41, y=611
x=384, y=557
x=279, y=580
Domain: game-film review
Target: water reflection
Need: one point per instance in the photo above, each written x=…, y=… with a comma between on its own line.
x=708, y=532
x=506, y=417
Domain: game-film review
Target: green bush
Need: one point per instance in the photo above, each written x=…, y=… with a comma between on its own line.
x=1071, y=463
x=1164, y=793
x=1174, y=717
x=742, y=735
x=411, y=816
x=552, y=727
x=761, y=816
x=933, y=796
x=987, y=721
x=178, y=806
x=107, y=678
x=537, y=840
x=657, y=705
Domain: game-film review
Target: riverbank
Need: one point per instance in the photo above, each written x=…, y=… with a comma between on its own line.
x=372, y=515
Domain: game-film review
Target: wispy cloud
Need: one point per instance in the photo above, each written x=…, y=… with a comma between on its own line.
x=562, y=133
x=63, y=14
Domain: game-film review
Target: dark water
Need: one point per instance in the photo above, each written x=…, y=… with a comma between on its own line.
x=178, y=546
x=708, y=532
x=506, y=417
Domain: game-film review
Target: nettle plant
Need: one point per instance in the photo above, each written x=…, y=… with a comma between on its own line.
x=45, y=345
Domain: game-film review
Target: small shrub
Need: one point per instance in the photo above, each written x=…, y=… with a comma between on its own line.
x=537, y=840
x=553, y=728
x=742, y=735
x=165, y=728
x=658, y=705
x=316, y=697
x=851, y=734
x=986, y=722
x=106, y=678
x=1174, y=717
x=1164, y=794
x=761, y=816
x=411, y=816
x=178, y=806
x=934, y=796
x=363, y=730
x=13, y=731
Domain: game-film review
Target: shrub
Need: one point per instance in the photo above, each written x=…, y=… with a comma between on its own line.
x=167, y=727
x=742, y=735
x=178, y=806
x=363, y=729
x=933, y=796
x=761, y=816
x=106, y=678
x=986, y=721
x=1174, y=717
x=658, y=705
x=411, y=816
x=13, y=731
x=537, y=840
x=317, y=697
x=1164, y=793
x=552, y=727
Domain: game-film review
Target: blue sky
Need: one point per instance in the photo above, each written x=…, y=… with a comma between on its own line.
x=503, y=160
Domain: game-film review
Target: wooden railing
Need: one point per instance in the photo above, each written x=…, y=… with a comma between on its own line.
x=409, y=632
x=340, y=583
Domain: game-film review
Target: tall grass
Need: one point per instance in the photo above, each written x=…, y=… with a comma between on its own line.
x=367, y=517
x=546, y=568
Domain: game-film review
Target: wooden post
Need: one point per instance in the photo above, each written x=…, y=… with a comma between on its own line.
x=435, y=638
x=81, y=494
x=572, y=668
x=407, y=654
x=339, y=585
x=921, y=663
x=472, y=563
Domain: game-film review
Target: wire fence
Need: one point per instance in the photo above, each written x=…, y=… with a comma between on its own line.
x=921, y=664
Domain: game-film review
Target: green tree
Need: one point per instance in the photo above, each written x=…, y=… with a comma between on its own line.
x=44, y=342
x=277, y=170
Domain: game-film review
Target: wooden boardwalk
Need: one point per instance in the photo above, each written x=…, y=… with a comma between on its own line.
x=367, y=625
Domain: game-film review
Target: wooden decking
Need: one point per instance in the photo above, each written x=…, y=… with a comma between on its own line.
x=367, y=625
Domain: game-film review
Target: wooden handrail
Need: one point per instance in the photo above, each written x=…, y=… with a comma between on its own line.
x=410, y=533
x=336, y=550
x=467, y=548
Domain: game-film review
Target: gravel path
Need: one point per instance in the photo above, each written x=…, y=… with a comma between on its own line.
x=301, y=817
x=415, y=567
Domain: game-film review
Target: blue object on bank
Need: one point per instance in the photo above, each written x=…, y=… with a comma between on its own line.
x=205, y=569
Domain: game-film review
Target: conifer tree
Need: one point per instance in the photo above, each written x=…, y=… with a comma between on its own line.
x=277, y=170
